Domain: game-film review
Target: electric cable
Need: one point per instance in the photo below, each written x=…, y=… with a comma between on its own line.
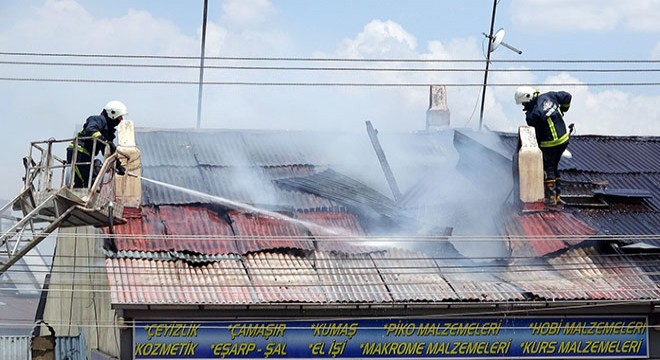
x=309, y=68
x=329, y=59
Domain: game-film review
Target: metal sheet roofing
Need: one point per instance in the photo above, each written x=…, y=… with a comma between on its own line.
x=412, y=276
x=540, y=280
x=344, y=190
x=137, y=281
x=475, y=281
x=607, y=154
x=223, y=147
x=336, y=232
x=257, y=233
x=189, y=154
x=350, y=278
x=543, y=233
x=169, y=228
x=605, y=276
x=186, y=254
x=283, y=277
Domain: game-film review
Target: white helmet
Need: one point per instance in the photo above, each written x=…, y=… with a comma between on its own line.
x=115, y=109
x=525, y=94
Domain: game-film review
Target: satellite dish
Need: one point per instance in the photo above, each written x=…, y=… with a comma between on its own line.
x=496, y=40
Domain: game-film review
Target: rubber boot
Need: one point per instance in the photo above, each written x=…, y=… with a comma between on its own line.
x=550, y=193
x=558, y=190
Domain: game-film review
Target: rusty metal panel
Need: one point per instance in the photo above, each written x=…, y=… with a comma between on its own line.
x=283, y=277
x=543, y=233
x=257, y=233
x=176, y=228
x=412, y=276
x=350, y=278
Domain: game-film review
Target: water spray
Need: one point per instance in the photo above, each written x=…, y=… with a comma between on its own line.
x=239, y=205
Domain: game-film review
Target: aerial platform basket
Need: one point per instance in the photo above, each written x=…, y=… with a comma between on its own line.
x=49, y=199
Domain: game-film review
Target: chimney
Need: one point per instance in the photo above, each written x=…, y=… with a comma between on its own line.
x=437, y=116
x=528, y=171
x=128, y=189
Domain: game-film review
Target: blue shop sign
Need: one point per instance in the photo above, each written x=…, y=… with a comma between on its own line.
x=456, y=338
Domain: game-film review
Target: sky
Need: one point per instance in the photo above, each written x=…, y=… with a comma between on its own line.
x=604, y=52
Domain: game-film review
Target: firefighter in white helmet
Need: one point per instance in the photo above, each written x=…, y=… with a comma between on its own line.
x=545, y=112
x=101, y=127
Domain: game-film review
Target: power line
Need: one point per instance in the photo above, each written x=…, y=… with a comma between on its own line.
x=315, y=59
x=313, y=84
x=317, y=68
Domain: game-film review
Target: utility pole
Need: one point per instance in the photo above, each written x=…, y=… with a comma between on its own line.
x=490, y=36
x=201, y=65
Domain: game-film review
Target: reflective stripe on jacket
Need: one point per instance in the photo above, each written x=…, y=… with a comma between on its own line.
x=546, y=115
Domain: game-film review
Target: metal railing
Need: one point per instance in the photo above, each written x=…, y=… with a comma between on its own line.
x=47, y=168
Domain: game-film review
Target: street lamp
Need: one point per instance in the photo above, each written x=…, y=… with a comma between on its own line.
x=493, y=42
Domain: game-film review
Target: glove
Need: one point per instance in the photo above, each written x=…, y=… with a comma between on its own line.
x=120, y=169
x=113, y=147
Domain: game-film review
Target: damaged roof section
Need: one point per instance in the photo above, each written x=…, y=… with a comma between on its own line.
x=612, y=184
x=337, y=238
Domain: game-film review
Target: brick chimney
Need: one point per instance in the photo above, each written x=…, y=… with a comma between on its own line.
x=528, y=171
x=128, y=189
x=437, y=116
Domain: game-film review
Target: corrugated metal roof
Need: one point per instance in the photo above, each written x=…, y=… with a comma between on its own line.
x=169, y=228
x=189, y=152
x=283, y=277
x=542, y=281
x=607, y=154
x=605, y=276
x=543, y=233
x=625, y=223
x=474, y=281
x=70, y=347
x=257, y=233
x=412, y=276
x=137, y=281
x=15, y=347
x=285, y=262
x=339, y=232
x=250, y=185
x=223, y=147
x=344, y=190
x=350, y=278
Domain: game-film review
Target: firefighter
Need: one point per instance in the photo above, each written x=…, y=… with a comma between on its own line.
x=545, y=112
x=101, y=127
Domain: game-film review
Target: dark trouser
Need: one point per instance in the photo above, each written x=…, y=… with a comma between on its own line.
x=81, y=168
x=551, y=157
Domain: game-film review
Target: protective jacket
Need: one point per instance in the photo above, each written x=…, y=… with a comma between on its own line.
x=546, y=114
x=100, y=127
